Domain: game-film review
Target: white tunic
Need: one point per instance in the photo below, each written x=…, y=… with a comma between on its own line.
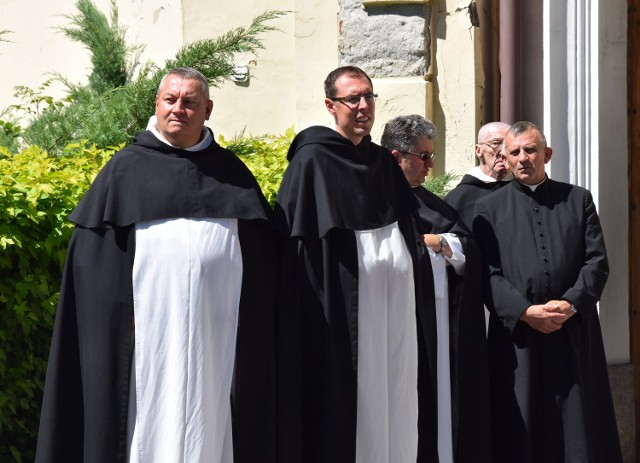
x=187, y=276
x=441, y=288
x=387, y=404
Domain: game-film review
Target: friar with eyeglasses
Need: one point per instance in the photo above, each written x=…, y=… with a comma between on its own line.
x=353, y=380
x=490, y=174
x=451, y=276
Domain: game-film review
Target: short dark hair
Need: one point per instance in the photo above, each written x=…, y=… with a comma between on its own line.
x=521, y=127
x=401, y=132
x=189, y=74
x=330, y=81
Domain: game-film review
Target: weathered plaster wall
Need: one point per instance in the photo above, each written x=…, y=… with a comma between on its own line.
x=285, y=86
x=266, y=102
x=456, y=116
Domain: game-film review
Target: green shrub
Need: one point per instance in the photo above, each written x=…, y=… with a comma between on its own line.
x=37, y=193
x=440, y=185
x=265, y=156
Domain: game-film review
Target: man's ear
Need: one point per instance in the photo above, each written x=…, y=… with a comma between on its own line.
x=396, y=154
x=329, y=104
x=209, y=109
x=478, y=150
x=547, y=154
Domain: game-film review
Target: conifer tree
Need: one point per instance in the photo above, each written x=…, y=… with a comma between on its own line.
x=119, y=97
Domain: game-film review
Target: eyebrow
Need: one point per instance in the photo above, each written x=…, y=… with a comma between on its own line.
x=527, y=148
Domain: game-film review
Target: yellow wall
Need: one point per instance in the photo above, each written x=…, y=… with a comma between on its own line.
x=286, y=83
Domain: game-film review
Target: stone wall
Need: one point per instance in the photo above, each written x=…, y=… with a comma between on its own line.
x=386, y=41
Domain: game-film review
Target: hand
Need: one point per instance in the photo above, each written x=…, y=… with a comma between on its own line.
x=545, y=318
x=432, y=241
x=562, y=306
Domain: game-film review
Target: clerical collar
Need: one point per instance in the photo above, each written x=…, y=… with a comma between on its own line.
x=480, y=175
x=207, y=138
x=477, y=173
x=534, y=187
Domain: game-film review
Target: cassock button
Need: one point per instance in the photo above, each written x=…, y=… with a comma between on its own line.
x=542, y=246
x=541, y=234
x=545, y=259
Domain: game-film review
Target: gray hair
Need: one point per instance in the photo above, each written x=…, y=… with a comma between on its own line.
x=188, y=74
x=521, y=127
x=402, y=132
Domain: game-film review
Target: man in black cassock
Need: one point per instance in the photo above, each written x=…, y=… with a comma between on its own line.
x=163, y=345
x=451, y=274
x=549, y=384
x=354, y=383
x=490, y=174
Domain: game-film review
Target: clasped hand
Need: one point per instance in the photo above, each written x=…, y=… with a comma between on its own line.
x=548, y=317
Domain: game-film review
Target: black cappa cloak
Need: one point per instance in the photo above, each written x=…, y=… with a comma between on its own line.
x=471, y=413
x=550, y=392
x=330, y=189
x=464, y=196
x=84, y=413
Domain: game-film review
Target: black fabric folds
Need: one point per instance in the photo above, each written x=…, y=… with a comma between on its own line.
x=342, y=186
x=151, y=180
x=471, y=411
x=463, y=197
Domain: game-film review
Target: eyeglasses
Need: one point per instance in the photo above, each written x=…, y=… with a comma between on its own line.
x=495, y=143
x=354, y=100
x=426, y=156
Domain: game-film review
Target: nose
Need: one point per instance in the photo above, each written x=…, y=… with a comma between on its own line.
x=522, y=155
x=363, y=103
x=178, y=106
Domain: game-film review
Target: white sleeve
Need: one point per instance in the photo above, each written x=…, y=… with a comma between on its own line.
x=457, y=259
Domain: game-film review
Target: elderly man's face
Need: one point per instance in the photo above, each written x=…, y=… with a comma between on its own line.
x=181, y=109
x=415, y=169
x=526, y=156
x=353, y=121
x=490, y=154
